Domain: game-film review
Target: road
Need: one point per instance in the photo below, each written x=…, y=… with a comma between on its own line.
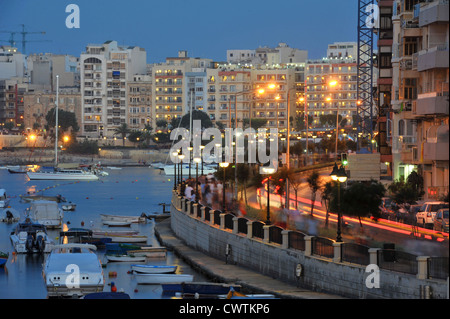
x=416, y=240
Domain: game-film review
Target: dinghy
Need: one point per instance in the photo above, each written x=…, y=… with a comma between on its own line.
x=162, y=278
x=154, y=269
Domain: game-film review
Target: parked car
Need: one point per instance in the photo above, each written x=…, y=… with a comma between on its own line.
x=425, y=216
x=441, y=220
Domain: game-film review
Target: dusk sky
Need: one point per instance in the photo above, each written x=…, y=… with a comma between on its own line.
x=205, y=28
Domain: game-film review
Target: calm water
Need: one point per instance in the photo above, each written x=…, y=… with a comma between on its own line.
x=128, y=191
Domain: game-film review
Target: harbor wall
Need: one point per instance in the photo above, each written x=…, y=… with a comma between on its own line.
x=317, y=273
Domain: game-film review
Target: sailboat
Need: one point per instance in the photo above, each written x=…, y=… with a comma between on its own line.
x=59, y=173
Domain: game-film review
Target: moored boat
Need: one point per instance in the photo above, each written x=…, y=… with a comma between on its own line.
x=125, y=238
x=9, y=215
x=151, y=252
x=3, y=258
x=63, y=174
x=124, y=218
x=4, y=200
x=30, y=238
x=125, y=258
x=154, y=269
x=210, y=288
x=46, y=213
x=69, y=206
x=162, y=278
x=73, y=270
x=116, y=223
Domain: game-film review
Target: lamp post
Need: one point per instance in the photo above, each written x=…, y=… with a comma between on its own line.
x=268, y=171
x=181, y=156
x=196, y=160
x=201, y=155
x=339, y=176
x=190, y=148
x=175, y=155
x=224, y=165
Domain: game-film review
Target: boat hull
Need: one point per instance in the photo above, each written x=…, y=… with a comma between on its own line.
x=125, y=258
x=61, y=176
x=162, y=278
x=199, y=287
x=118, y=218
x=150, y=269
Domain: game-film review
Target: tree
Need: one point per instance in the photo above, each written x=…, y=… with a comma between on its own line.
x=314, y=185
x=147, y=133
x=407, y=192
x=122, y=130
x=256, y=123
x=66, y=120
x=295, y=181
x=327, y=191
x=161, y=124
x=361, y=199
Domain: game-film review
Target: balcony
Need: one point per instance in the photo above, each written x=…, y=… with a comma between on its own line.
x=436, y=147
x=433, y=58
x=433, y=103
x=434, y=12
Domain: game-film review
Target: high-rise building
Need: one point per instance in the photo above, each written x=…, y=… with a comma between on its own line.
x=139, y=101
x=12, y=100
x=105, y=69
x=12, y=63
x=420, y=93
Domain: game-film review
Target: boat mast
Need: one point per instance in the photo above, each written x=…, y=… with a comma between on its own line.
x=56, y=127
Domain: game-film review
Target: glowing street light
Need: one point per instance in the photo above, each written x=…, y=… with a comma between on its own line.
x=339, y=176
x=224, y=165
x=268, y=171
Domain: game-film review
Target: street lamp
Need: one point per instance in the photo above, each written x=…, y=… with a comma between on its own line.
x=224, y=165
x=268, y=171
x=196, y=160
x=181, y=156
x=201, y=154
x=339, y=176
x=175, y=155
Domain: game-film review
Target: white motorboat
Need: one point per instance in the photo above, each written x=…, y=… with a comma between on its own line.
x=63, y=174
x=124, y=218
x=162, y=278
x=154, y=269
x=125, y=258
x=73, y=270
x=4, y=200
x=150, y=252
x=46, y=213
x=158, y=165
x=31, y=238
x=170, y=170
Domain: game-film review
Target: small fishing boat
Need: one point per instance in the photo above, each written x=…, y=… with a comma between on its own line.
x=46, y=213
x=233, y=294
x=107, y=295
x=18, y=170
x=98, y=233
x=202, y=288
x=150, y=252
x=162, y=278
x=69, y=206
x=125, y=258
x=124, y=247
x=116, y=223
x=126, y=238
x=158, y=216
x=123, y=218
x=31, y=198
x=3, y=258
x=154, y=269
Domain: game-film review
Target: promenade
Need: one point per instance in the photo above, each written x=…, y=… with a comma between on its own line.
x=219, y=271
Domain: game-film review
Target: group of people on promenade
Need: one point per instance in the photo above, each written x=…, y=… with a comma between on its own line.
x=210, y=192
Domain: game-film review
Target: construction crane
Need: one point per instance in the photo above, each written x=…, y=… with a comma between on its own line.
x=367, y=18
x=24, y=33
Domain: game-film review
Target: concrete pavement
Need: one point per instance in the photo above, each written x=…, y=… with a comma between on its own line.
x=219, y=271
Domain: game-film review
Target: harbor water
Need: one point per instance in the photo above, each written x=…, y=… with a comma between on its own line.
x=125, y=191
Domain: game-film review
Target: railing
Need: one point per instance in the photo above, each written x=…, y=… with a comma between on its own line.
x=296, y=240
x=396, y=260
x=386, y=259
x=355, y=253
x=438, y=267
x=322, y=246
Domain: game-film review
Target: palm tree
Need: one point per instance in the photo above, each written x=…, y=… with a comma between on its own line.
x=327, y=190
x=294, y=181
x=147, y=133
x=314, y=185
x=122, y=130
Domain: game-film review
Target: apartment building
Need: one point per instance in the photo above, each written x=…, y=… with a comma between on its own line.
x=139, y=101
x=104, y=72
x=420, y=88
x=281, y=54
x=384, y=85
x=322, y=98
x=12, y=63
x=173, y=84
x=37, y=103
x=12, y=100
